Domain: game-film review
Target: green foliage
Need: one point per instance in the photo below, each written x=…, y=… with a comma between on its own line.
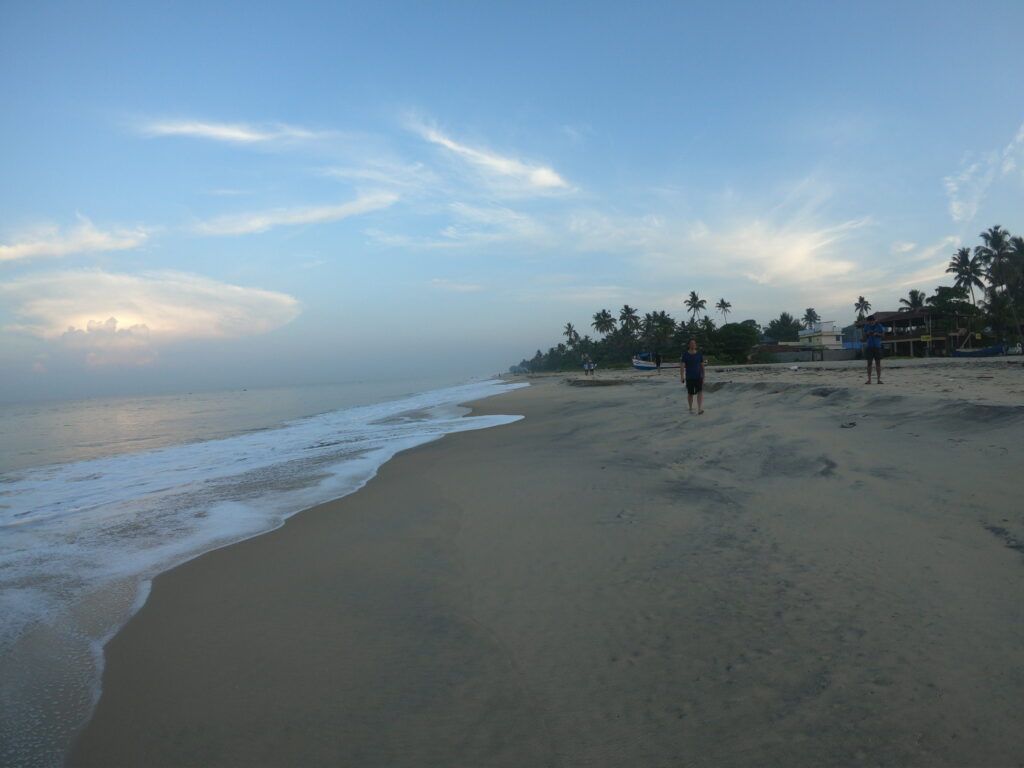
x=951, y=300
x=784, y=328
x=735, y=342
x=913, y=302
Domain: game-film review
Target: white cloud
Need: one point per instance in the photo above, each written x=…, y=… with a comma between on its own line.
x=103, y=343
x=84, y=238
x=934, y=259
x=769, y=253
x=248, y=223
x=473, y=226
x=451, y=286
x=235, y=133
x=475, y=223
x=967, y=188
x=387, y=174
x=515, y=175
x=170, y=306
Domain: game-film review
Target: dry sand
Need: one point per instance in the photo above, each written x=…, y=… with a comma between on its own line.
x=611, y=582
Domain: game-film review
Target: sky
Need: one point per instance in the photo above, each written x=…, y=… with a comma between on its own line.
x=211, y=194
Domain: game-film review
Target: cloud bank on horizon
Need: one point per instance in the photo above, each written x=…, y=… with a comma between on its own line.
x=499, y=206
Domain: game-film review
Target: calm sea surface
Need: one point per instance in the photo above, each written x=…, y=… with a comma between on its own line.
x=98, y=496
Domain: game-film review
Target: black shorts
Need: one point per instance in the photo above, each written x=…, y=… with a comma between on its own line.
x=693, y=386
x=873, y=353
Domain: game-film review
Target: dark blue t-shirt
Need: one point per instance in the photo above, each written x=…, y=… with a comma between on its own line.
x=873, y=341
x=692, y=363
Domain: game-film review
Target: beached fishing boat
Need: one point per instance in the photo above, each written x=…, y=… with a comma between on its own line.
x=645, y=362
x=998, y=349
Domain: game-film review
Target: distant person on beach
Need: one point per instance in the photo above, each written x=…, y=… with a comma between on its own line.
x=588, y=365
x=873, y=332
x=657, y=360
x=691, y=373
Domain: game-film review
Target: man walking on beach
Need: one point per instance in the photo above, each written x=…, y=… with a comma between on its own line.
x=691, y=373
x=873, y=332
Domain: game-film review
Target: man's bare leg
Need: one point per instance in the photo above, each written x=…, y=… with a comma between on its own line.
x=878, y=371
x=700, y=402
x=689, y=401
x=869, y=372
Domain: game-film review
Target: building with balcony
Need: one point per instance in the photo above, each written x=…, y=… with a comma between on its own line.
x=922, y=333
x=824, y=335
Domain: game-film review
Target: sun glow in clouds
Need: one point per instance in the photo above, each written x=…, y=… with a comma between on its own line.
x=168, y=305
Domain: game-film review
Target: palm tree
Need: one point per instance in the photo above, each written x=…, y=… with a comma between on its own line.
x=695, y=304
x=571, y=335
x=604, y=322
x=629, y=320
x=658, y=328
x=914, y=301
x=1017, y=262
x=811, y=317
x=968, y=270
x=863, y=306
x=723, y=306
x=996, y=254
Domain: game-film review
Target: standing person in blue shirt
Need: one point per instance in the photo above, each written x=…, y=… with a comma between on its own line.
x=873, y=332
x=691, y=373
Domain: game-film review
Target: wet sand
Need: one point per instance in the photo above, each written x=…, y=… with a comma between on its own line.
x=814, y=572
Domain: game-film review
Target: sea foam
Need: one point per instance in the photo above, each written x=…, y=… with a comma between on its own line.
x=80, y=542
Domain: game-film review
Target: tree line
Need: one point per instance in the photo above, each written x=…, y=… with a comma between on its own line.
x=995, y=269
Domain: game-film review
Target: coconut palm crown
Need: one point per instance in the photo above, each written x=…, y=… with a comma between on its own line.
x=914, y=301
x=968, y=271
x=604, y=322
x=695, y=305
x=863, y=306
x=724, y=307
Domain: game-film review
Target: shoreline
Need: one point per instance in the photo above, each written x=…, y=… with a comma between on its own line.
x=175, y=507
x=609, y=582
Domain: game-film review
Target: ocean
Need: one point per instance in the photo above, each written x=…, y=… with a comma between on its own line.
x=99, y=496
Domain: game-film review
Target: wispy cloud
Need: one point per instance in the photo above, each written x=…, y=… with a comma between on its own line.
x=515, y=174
x=789, y=244
x=453, y=286
x=84, y=238
x=967, y=188
x=250, y=223
x=769, y=253
x=234, y=133
x=386, y=174
x=472, y=226
x=933, y=258
x=90, y=308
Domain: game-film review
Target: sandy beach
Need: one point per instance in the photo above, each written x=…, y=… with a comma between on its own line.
x=814, y=572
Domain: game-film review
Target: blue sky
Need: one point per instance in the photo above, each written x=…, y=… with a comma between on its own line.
x=211, y=194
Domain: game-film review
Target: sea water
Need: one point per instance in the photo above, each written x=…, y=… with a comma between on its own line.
x=98, y=497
